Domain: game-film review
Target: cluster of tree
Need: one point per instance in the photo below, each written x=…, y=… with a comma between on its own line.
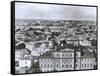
x=35, y=67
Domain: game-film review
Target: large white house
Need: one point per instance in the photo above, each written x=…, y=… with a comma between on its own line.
x=88, y=62
x=66, y=59
x=60, y=60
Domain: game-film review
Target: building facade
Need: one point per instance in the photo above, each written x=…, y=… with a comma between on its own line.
x=66, y=59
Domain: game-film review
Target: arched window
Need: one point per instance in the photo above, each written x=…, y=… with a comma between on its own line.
x=82, y=65
x=51, y=65
x=90, y=65
x=48, y=65
x=57, y=54
x=66, y=66
x=85, y=65
x=76, y=65
x=62, y=66
x=44, y=65
x=70, y=66
x=57, y=65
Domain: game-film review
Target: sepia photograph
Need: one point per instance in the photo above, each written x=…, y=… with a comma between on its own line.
x=55, y=38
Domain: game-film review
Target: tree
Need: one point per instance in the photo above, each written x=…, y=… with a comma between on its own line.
x=20, y=46
x=35, y=67
x=94, y=42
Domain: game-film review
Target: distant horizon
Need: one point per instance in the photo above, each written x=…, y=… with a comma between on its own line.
x=53, y=19
x=54, y=12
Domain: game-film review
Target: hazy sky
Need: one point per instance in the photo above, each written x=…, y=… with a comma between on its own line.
x=48, y=11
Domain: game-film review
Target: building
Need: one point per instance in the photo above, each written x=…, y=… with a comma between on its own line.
x=58, y=61
x=66, y=59
x=23, y=60
x=88, y=61
x=22, y=65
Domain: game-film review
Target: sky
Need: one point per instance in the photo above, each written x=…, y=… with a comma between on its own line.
x=50, y=11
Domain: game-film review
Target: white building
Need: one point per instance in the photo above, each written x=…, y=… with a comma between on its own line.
x=66, y=59
x=88, y=63
x=60, y=60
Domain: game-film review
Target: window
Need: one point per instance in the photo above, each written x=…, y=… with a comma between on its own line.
x=76, y=65
x=62, y=55
x=57, y=65
x=70, y=66
x=62, y=66
x=85, y=65
x=51, y=65
x=48, y=65
x=90, y=65
x=82, y=65
x=57, y=54
x=44, y=65
x=66, y=66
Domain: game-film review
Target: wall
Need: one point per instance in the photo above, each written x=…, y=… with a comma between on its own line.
x=5, y=38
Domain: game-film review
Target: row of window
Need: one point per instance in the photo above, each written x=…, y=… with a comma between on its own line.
x=64, y=65
x=67, y=60
x=67, y=66
x=57, y=60
x=46, y=65
x=57, y=66
x=87, y=59
x=86, y=65
x=46, y=60
x=65, y=55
